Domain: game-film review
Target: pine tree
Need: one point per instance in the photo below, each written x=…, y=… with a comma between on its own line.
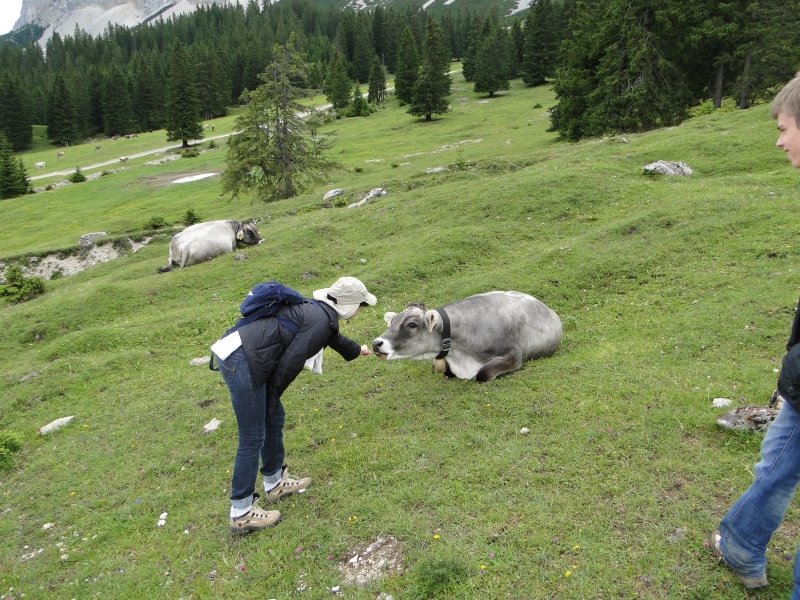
x=363, y=50
x=61, y=128
x=617, y=74
x=118, y=116
x=277, y=153
x=183, y=106
x=337, y=84
x=359, y=107
x=13, y=178
x=148, y=95
x=15, y=119
x=377, y=82
x=433, y=85
x=492, y=64
x=478, y=32
x=541, y=39
x=212, y=85
x=407, y=69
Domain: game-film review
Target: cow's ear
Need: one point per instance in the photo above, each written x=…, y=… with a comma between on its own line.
x=240, y=235
x=388, y=317
x=432, y=320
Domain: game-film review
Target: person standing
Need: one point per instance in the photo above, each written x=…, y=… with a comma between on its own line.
x=742, y=538
x=258, y=363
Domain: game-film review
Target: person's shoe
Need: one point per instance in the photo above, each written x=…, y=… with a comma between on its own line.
x=751, y=583
x=255, y=520
x=287, y=485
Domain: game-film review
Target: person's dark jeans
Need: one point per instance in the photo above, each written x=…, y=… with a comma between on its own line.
x=260, y=430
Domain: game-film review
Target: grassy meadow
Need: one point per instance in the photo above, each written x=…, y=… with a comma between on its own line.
x=672, y=291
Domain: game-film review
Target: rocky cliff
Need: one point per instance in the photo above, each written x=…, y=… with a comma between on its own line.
x=92, y=16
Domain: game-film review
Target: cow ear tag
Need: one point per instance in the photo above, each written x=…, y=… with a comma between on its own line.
x=240, y=235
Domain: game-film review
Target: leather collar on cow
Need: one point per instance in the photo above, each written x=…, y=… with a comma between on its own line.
x=445, y=333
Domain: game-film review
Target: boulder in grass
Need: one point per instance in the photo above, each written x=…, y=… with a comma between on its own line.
x=748, y=418
x=666, y=167
x=333, y=194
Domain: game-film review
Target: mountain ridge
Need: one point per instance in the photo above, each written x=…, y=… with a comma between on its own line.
x=93, y=16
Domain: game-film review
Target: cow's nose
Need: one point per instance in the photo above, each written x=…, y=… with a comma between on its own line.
x=377, y=343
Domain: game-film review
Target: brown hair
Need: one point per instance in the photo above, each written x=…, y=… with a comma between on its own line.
x=788, y=100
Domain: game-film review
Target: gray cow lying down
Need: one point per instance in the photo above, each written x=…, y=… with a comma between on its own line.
x=202, y=241
x=479, y=337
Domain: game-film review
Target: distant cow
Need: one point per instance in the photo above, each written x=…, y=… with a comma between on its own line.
x=202, y=241
x=60, y=155
x=479, y=337
x=123, y=159
x=38, y=165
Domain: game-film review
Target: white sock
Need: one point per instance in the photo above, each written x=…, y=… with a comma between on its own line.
x=270, y=486
x=240, y=512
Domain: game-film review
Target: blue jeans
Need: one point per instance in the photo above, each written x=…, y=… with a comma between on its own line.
x=751, y=521
x=260, y=430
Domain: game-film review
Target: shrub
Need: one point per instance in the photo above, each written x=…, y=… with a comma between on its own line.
x=18, y=287
x=434, y=577
x=190, y=217
x=212, y=145
x=10, y=442
x=77, y=176
x=706, y=107
x=155, y=222
x=190, y=153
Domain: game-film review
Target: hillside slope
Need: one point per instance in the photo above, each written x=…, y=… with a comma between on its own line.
x=672, y=292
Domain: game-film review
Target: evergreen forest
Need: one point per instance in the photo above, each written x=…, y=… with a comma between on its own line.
x=616, y=66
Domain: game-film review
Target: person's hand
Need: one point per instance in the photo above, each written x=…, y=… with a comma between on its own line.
x=365, y=351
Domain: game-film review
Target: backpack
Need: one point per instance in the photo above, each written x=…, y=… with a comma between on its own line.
x=264, y=300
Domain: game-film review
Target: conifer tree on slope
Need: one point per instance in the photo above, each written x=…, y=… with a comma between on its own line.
x=433, y=84
x=540, y=47
x=617, y=73
x=376, y=92
x=276, y=153
x=15, y=120
x=337, y=86
x=407, y=67
x=492, y=63
x=183, y=106
x=13, y=178
x=61, y=129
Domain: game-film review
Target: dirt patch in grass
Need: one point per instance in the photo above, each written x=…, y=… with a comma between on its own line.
x=369, y=562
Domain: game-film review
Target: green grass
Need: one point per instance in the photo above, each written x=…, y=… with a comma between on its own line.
x=672, y=292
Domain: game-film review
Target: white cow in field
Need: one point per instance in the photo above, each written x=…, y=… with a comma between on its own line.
x=39, y=165
x=123, y=159
x=202, y=241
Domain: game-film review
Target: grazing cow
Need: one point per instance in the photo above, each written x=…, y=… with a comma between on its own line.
x=60, y=155
x=202, y=241
x=38, y=165
x=98, y=147
x=479, y=337
x=123, y=159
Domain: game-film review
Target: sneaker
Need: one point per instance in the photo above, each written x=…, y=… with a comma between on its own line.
x=255, y=520
x=750, y=583
x=287, y=485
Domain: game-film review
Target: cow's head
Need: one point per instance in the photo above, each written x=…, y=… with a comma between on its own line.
x=248, y=234
x=413, y=333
